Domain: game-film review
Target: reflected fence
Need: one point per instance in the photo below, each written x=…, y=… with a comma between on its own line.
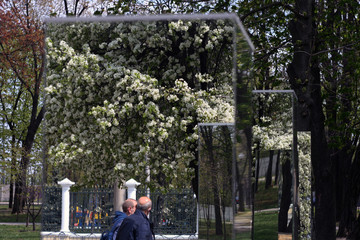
x=91, y=211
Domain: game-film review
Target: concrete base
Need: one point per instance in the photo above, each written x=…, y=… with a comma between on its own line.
x=68, y=236
x=88, y=236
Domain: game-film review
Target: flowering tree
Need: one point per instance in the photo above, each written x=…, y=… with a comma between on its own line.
x=274, y=130
x=21, y=54
x=126, y=96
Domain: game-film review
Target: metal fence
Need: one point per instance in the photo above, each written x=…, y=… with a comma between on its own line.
x=51, y=209
x=90, y=210
x=173, y=212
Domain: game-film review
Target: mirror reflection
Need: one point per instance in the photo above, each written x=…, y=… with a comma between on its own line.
x=243, y=216
x=273, y=165
x=216, y=181
x=125, y=96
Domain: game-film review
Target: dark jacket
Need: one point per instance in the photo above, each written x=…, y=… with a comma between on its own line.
x=119, y=217
x=135, y=227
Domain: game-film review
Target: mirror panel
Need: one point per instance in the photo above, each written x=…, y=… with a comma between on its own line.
x=125, y=95
x=273, y=165
x=216, y=171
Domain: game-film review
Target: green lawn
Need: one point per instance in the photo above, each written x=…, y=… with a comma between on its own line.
x=265, y=226
x=19, y=232
x=266, y=198
x=6, y=216
x=211, y=233
x=15, y=231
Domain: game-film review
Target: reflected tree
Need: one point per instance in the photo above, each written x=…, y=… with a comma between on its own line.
x=216, y=159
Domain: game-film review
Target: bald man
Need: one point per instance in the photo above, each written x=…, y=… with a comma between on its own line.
x=137, y=225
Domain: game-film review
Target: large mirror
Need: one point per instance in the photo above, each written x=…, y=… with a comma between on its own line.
x=125, y=96
x=274, y=166
x=216, y=171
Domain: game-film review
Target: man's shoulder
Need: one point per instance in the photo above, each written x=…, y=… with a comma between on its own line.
x=134, y=217
x=119, y=216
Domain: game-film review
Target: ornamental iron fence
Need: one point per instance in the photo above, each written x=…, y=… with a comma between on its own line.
x=51, y=209
x=173, y=212
x=91, y=211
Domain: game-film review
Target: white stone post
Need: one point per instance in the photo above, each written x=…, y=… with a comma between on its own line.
x=131, y=188
x=119, y=197
x=65, y=205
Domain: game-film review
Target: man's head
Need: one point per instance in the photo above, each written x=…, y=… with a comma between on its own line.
x=144, y=204
x=129, y=206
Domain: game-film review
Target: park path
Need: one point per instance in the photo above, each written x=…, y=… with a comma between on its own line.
x=17, y=223
x=242, y=222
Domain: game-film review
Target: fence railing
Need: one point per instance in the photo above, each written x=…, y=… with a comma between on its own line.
x=91, y=211
x=173, y=212
x=51, y=209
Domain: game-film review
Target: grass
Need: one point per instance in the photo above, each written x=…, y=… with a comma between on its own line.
x=266, y=198
x=243, y=236
x=212, y=234
x=266, y=226
x=19, y=232
x=6, y=216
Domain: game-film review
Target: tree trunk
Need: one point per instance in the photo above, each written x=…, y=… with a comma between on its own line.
x=257, y=169
x=240, y=190
x=277, y=167
x=269, y=170
x=285, y=197
x=208, y=137
x=20, y=181
x=304, y=77
x=13, y=169
x=348, y=223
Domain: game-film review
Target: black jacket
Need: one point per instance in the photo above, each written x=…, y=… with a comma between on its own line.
x=135, y=227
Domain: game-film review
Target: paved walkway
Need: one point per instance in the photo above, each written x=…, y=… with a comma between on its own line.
x=242, y=222
x=17, y=223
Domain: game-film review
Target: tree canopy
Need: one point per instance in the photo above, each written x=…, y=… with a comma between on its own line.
x=121, y=98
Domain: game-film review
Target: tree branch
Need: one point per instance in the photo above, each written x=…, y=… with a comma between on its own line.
x=271, y=5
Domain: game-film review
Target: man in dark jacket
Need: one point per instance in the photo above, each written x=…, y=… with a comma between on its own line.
x=129, y=207
x=137, y=225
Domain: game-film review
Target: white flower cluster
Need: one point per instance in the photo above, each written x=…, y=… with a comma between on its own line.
x=274, y=131
x=304, y=143
x=123, y=97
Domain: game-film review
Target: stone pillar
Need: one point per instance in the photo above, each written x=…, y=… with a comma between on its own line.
x=131, y=185
x=119, y=197
x=65, y=205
